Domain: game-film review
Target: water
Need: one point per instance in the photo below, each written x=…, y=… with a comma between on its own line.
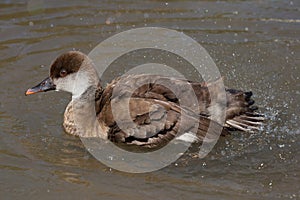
x=256, y=47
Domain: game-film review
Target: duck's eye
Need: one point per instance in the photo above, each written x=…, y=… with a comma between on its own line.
x=63, y=73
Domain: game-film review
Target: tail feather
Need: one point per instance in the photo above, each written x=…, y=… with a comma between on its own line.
x=244, y=125
x=241, y=113
x=241, y=126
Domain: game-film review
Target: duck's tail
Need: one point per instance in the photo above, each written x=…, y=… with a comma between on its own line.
x=241, y=114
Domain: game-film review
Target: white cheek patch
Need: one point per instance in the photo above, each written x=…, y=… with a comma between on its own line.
x=65, y=83
x=75, y=83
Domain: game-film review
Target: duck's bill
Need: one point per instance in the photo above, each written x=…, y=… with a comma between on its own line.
x=44, y=86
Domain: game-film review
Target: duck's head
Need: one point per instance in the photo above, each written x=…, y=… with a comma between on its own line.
x=72, y=72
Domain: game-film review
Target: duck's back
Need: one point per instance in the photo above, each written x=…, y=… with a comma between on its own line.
x=147, y=110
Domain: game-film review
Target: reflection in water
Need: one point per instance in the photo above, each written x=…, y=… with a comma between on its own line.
x=71, y=177
x=255, y=46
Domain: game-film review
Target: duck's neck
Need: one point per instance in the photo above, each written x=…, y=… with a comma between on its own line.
x=84, y=114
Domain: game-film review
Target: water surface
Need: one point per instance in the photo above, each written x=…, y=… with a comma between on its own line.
x=256, y=46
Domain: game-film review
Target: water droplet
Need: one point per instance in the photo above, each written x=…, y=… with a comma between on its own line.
x=110, y=157
x=270, y=184
x=261, y=164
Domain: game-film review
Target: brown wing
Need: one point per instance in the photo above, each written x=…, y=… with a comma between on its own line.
x=240, y=114
x=155, y=116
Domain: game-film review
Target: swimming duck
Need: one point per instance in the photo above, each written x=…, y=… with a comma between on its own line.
x=154, y=109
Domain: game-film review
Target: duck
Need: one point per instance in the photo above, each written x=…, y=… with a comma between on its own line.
x=156, y=113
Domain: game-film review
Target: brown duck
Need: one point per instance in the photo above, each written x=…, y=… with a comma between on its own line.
x=155, y=110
